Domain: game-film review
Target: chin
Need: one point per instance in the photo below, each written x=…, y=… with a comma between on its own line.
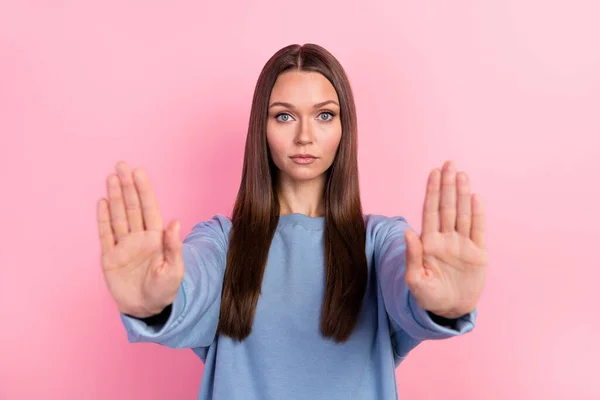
x=306, y=175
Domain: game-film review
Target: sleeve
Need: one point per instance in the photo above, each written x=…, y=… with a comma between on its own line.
x=192, y=319
x=410, y=324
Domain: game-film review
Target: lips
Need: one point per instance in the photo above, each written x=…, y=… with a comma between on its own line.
x=304, y=156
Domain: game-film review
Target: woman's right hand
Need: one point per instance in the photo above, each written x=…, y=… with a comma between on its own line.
x=142, y=262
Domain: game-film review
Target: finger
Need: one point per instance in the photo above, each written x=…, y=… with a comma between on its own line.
x=118, y=218
x=132, y=200
x=448, y=198
x=150, y=211
x=431, y=215
x=477, y=223
x=463, y=216
x=414, y=257
x=173, y=243
x=107, y=239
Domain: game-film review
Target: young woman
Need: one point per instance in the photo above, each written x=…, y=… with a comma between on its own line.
x=299, y=295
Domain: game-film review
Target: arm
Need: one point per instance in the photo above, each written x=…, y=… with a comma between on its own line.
x=409, y=323
x=192, y=319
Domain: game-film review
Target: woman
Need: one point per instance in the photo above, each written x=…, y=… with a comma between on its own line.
x=299, y=295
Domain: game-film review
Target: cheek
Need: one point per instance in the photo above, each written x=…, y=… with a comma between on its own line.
x=276, y=146
x=332, y=143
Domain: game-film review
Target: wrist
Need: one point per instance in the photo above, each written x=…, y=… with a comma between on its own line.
x=452, y=313
x=143, y=312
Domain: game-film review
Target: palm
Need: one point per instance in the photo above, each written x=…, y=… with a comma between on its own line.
x=446, y=265
x=127, y=267
x=141, y=261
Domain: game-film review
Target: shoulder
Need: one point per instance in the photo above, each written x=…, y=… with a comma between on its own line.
x=378, y=221
x=380, y=226
x=216, y=228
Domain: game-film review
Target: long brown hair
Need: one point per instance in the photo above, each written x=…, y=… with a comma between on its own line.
x=256, y=211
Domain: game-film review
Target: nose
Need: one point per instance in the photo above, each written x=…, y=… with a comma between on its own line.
x=305, y=133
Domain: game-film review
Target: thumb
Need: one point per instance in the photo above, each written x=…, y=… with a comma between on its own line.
x=172, y=242
x=414, y=256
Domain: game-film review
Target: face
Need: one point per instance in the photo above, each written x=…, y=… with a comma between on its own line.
x=303, y=120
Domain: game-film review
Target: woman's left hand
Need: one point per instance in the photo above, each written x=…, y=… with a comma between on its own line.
x=446, y=266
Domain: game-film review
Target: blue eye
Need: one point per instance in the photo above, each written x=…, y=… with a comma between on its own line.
x=279, y=117
x=330, y=114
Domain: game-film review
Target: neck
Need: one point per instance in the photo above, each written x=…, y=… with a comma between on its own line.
x=302, y=197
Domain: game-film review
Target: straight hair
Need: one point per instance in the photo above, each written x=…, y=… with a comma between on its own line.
x=256, y=211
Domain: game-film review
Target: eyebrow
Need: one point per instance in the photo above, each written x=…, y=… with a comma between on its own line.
x=288, y=105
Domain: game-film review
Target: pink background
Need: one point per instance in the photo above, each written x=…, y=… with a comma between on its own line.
x=510, y=90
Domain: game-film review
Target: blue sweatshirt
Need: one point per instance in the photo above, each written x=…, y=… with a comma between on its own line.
x=285, y=356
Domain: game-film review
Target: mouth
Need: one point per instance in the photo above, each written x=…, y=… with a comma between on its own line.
x=303, y=158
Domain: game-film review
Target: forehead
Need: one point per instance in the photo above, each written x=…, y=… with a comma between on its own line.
x=302, y=87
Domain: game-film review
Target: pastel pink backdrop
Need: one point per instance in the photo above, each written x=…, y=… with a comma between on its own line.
x=507, y=89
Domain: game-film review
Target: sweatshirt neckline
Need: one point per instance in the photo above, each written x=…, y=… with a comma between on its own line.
x=305, y=220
